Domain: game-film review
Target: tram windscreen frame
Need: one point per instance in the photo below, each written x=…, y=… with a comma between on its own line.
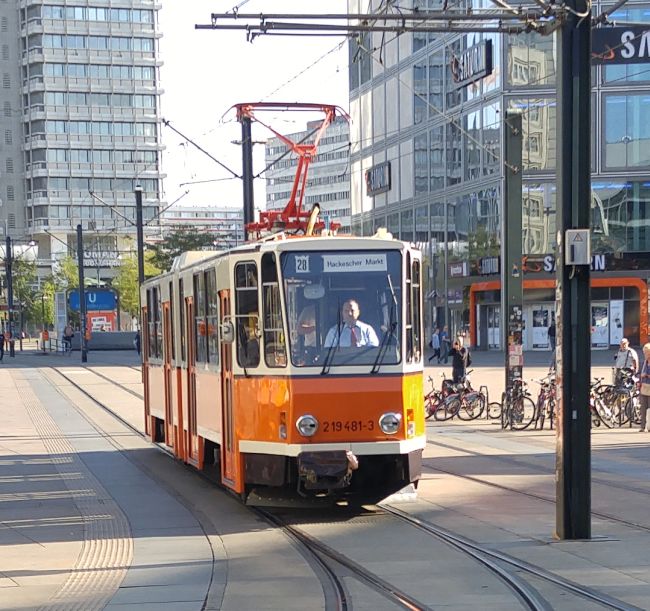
x=317, y=285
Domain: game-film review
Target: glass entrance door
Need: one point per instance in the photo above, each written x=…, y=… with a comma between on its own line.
x=493, y=327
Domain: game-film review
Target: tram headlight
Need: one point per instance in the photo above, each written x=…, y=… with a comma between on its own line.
x=390, y=422
x=307, y=425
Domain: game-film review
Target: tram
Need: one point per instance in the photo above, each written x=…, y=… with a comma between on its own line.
x=252, y=371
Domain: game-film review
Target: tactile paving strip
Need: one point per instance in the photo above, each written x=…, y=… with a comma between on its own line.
x=107, y=549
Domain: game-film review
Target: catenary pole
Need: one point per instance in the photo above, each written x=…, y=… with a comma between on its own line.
x=82, y=294
x=247, y=171
x=10, y=292
x=140, y=234
x=573, y=349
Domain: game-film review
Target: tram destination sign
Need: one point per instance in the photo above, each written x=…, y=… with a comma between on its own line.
x=472, y=64
x=620, y=45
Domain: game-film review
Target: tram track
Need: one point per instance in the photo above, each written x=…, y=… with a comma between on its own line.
x=316, y=556
x=427, y=463
x=326, y=562
x=493, y=560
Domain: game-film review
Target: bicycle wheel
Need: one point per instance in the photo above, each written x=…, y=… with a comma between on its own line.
x=472, y=406
x=621, y=414
x=523, y=413
x=604, y=412
x=540, y=412
x=447, y=408
x=494, y=410
x=633, y=409
x=505, y=411
x=431, y=402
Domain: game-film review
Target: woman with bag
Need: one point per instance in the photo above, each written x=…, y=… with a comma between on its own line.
x=644, y=396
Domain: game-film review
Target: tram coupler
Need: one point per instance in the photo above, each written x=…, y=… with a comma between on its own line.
x=326, y=470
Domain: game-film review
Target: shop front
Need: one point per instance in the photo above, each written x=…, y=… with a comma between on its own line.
x=619, y=308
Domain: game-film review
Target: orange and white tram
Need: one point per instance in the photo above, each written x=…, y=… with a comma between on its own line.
x=290, y=367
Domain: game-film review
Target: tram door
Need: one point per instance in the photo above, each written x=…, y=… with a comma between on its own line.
x=144, y=343
x=192, y=436
x=228, y=457
x=167, y=373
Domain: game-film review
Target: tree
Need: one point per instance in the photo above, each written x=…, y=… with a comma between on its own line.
x=179, y=240
x=66, y=274
x=126, y=281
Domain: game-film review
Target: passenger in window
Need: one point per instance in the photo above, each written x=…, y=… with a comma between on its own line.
x=351, y=332
x=307, y=326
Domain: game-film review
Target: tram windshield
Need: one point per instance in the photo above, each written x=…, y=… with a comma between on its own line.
x=343, y=308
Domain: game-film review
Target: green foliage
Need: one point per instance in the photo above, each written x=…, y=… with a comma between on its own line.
x=180, y=240
x=66, y=275
x=126, y=281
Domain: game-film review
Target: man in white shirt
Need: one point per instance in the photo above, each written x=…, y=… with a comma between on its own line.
x=625, y=358
x=352, y=332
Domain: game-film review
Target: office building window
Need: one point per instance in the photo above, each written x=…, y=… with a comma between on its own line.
x=627, y=130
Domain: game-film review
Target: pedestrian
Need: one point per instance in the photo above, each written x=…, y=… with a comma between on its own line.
x=136, y=341
x=644, y=394
x=435, y=344
x=551, y=335
x=444, y=345
x=2, y=343
x=460, y=361
x=625, y=359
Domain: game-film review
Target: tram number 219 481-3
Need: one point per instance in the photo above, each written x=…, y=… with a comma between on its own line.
x=336, y=426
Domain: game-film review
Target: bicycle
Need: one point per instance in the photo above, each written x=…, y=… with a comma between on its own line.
x=472, y=402
x=545, y=405
x=440, y=404
x=518, y=409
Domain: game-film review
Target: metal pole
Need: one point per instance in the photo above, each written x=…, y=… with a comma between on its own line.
x=82, y=294
x=511, y=272
x=10, y=293
x=43, y=321
x=573, y=328
x=20, y=339
x=247, y=172
x=140, y=232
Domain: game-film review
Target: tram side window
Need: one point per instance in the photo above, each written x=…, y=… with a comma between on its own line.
x=172, y=339
x=247, y=314
x=409, y=311
x=181, y=312
x=417, y=314
x=200, y=328
x=155, y=324
x=212, y=315
x=275, y=353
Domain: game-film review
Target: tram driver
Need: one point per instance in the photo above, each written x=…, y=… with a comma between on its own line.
x=351, y=332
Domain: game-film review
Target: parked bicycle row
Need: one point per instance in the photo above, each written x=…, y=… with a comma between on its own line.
x=612, y=405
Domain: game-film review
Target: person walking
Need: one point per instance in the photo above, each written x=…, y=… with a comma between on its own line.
x=435, y=344
x=2, y=343
x=444, y=345
x=551, y=335
x=644, y=394
x=136, y=341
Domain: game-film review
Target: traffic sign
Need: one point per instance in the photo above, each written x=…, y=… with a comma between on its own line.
x=96, y=299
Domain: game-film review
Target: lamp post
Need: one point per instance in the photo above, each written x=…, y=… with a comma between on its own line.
x=43, y=321
x=10, y=294
x=140, y=232
x=82, y=294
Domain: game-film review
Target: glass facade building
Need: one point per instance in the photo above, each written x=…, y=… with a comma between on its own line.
x=444, y=147
x=81, y=100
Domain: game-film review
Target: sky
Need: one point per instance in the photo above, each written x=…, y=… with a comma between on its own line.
x=206, y=72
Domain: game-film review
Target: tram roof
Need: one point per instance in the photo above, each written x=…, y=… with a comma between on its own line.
x=283, y=242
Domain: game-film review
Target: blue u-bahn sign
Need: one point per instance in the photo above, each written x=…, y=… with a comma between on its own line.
x=96, y=299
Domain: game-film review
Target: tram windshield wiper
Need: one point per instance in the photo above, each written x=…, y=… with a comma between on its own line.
x=390, y=332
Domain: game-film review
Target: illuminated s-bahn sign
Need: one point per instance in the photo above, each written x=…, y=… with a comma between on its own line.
x=472, y=64
x=620, y=45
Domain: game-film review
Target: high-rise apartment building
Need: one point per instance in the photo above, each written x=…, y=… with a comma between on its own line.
x=79, y=112
x=428, y=162
x=328, y=181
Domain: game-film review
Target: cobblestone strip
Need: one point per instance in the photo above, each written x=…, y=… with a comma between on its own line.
x=107, y=549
